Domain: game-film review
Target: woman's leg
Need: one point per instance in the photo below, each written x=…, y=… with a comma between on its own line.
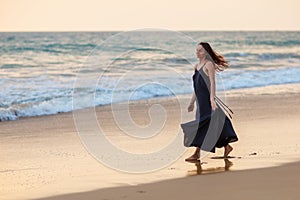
x=227, y=150
x=195, y=155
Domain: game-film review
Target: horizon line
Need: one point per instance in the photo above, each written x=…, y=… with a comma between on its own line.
x=153, y=29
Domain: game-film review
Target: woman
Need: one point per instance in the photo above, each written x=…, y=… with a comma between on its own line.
x=204, y=92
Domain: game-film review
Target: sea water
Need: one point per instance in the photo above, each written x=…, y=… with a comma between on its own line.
x=39, y=71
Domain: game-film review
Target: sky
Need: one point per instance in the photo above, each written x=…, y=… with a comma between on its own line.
x=123, y=15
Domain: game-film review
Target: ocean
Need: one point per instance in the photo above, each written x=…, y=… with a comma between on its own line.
x=42, y=72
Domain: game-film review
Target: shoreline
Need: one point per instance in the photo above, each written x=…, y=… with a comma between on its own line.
x=45, y=157
x=288, y=88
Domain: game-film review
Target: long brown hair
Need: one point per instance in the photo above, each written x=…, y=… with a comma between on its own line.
x=219, y=60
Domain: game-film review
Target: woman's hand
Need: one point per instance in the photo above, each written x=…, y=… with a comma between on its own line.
x=191, y=107
x=213, y=105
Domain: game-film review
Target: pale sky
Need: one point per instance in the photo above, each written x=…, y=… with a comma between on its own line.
x=121, y=15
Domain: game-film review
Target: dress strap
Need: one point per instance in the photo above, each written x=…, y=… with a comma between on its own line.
x=201, y=66
x=223, y=105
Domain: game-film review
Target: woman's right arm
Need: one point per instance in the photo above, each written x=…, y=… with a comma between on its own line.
x=192, y=102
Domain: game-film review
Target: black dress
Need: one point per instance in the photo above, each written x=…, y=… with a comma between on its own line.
x=214, y=127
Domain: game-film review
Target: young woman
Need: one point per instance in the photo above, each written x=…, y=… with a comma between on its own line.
x=204, y=93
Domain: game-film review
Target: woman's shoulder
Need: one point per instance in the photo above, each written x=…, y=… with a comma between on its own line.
x=209, y=62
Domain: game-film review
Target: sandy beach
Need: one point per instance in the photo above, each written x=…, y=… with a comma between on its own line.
x=44, y=158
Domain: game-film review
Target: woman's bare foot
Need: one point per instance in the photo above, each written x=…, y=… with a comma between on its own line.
x=228, y=149
x=193, y=157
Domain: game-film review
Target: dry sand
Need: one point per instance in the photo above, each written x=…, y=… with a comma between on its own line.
x=44, y=156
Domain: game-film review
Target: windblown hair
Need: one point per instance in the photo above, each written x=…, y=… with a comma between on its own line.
x=216, y=58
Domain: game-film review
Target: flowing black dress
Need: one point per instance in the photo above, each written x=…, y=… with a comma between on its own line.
x=215, y=128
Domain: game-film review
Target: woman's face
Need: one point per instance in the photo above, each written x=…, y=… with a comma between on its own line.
x=200, y=51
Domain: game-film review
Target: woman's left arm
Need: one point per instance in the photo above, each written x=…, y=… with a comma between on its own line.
x=211, y=73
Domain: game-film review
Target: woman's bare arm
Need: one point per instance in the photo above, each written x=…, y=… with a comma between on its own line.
x=192, y=102
x=212, y=72
x=193, y=99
